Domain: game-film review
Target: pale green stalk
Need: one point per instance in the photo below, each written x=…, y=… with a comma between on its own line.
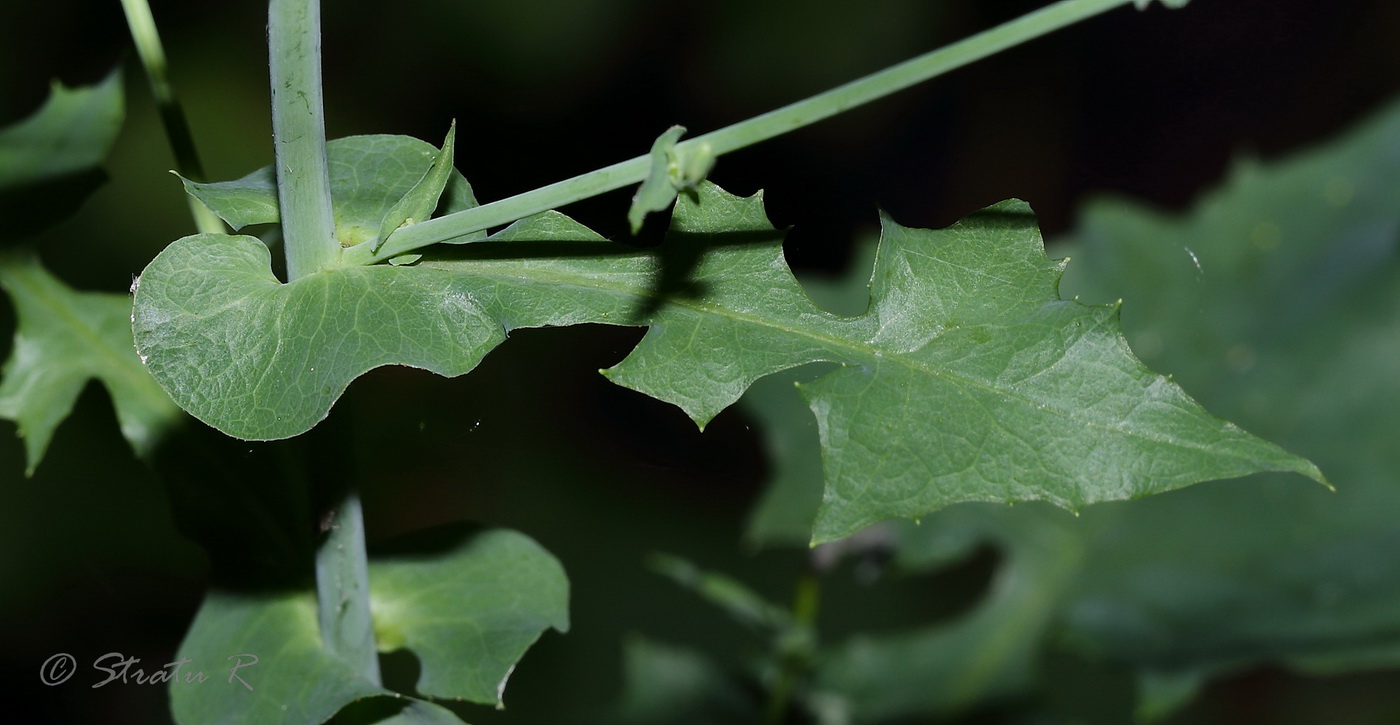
x=342, y=590
x=745, y=133
x=308, y=233
x=172, y=115
x=299, y=137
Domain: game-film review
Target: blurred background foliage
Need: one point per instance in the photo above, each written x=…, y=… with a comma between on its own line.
x=1153, y=106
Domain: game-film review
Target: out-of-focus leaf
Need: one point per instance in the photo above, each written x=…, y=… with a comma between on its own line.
x=70, y=133
x=989, y=653
x=279, y=630
x=49, y=162
x=257, y=653
x=1290, y=279
x=64, y=339
x=468, y=604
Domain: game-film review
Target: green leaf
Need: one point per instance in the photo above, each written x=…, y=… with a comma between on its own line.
x=64, y=339
x=968, y=378
x=370, y=175
x=262, y=360
x=468, y=606
x=469, y=609
x=419, y=202
x=49, y=162
x=242, y=202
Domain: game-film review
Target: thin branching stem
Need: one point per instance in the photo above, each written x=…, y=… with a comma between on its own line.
x=742, y=134
x=172, y=114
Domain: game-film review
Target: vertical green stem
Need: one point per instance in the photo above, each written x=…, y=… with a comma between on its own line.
x=299, y=136
x=172, y=115
x=801, y=647
x=342, y=590
x=304, y=192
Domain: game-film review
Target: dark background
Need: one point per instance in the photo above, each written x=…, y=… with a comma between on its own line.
x=1152, y=104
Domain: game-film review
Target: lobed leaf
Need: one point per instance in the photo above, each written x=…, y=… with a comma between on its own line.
x=967, y=379
x=63, y=339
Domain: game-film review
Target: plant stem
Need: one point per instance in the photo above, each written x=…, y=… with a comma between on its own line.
x=744, y=133
x=304, y=192
x=342, y=590
x=802, y=643
x=299, y=136
x=172, y=115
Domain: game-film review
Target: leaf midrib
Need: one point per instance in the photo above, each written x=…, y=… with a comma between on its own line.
x=859, y=354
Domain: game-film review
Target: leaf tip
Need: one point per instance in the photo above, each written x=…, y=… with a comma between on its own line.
x=1310, y=470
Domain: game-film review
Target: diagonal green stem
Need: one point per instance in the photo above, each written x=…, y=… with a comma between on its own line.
x=172, y=115
x=299, y=137
x=744, y=133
